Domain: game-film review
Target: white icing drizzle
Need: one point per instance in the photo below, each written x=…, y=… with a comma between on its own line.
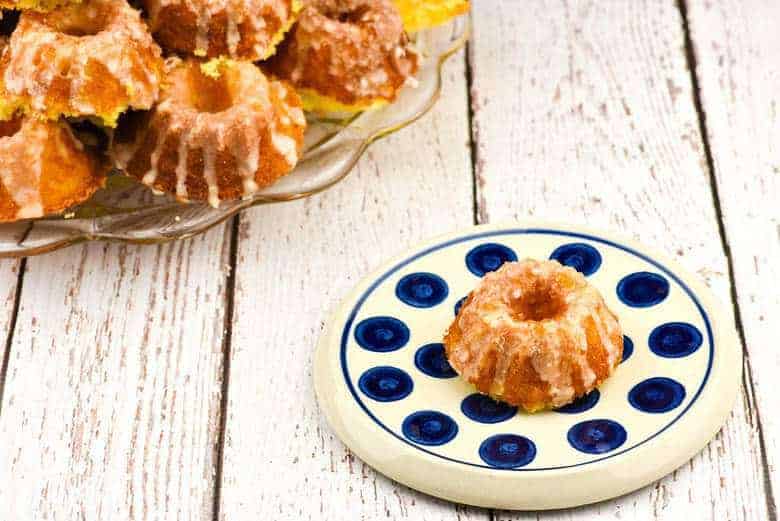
x=238, y=130
x=114, y=47
x=372, y=57
x=209, y=173
x=245, y=20
x=489, y=325
x=21, y=166
x=181, y=166
x=286, y=146
x=151, y=175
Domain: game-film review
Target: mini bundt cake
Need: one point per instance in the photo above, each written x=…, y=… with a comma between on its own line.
x=241, y=29
x=534, y=334
x=221, y=131
x=346, y=55
x=44, y=169
x=423, y=14
x=35, y=5
x=93, y=59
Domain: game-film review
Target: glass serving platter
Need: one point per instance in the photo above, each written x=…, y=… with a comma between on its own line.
x=129, y=212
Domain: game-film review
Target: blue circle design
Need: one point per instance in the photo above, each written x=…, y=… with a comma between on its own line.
x=582, y=257
x=488, y=257
x=422, y=290
x=628, y=348
x=675, y=340
x=382, y=334
x=643, y=289
x=386, y=384
x=507, y=451
x=459, y=304
x=657, y=395
x=484, y=409
x=431, y=359
x=349, y=324
x=429, y=428
x=581, y=404
x=597, y=436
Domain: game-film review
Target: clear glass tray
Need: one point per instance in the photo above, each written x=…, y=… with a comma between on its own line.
x=127, y=211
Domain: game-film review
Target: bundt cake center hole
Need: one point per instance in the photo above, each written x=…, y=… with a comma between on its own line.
x=207, y=94
x=540, y=302
x=351, y=16
x=81, y=24
x=10, y=128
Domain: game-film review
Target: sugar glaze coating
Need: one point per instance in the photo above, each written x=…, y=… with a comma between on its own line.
x=534, y=334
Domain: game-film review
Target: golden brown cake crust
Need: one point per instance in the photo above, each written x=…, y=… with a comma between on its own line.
x=96, y=58
x=244, y=29
x=213, y=139
x=534, y=334
x=44, y=169
x=352, y=51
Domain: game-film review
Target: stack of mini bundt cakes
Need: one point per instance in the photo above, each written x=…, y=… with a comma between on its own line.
x=201, y=99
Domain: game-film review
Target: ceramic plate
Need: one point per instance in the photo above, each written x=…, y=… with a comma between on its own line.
x=128, y=211
x=389, y=393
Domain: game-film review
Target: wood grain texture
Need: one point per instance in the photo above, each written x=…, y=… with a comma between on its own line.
x=295, y=263
x=112, y=397
x=583, y=112
x=9, y=277
x=736, y=47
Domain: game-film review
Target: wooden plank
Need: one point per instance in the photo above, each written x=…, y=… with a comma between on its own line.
x=736, y=45
x=295, y=263
x=9, y=277
x=112, y=398
x=583, y=112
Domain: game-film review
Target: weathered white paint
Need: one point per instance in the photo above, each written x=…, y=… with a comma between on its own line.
x=736, y=47
x=9, y=277
x=112, y=397
x=584, y=113
x=295, y=263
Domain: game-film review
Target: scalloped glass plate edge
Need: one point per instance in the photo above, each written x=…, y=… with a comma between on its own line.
x=127, y=212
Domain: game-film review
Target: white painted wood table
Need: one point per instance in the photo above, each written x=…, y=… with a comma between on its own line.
x=174, y=382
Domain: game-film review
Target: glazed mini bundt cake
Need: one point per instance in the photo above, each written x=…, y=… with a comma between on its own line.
x=92, y=59
x=44, y=169
x=221, y=131
x=346, y=55
x=534, y=334
x=35, y=5
x=241, y=29
x=422, y=14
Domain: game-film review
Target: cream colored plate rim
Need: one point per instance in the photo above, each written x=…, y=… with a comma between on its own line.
x=549, y=489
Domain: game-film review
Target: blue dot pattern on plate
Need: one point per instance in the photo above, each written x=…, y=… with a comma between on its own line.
x=582, y=257
x=675, y=340
x=386, y=384
x=643, y=289
x=459, y=304
x=628, y=348
x=422, y=290
x=385, y=340
x=597, y=436
x=507, y=451
x=581, y=404
x=432, y=360
x=657, y=395
x=429, y=428
x=484, y=409
x=382, y=334
x=488, y=257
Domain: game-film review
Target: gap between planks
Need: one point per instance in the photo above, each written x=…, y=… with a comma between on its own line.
x=227, y=344
x=747, y=373
x=11, y=328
